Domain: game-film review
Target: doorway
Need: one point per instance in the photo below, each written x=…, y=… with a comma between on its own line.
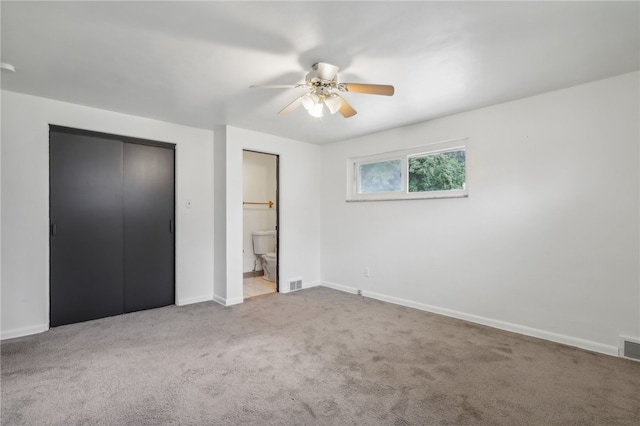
x=260, y=191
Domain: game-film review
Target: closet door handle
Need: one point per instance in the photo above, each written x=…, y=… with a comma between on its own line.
x=171, y=225
x=54, y=229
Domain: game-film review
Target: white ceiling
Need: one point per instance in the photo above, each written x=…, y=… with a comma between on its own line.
x=193, y=62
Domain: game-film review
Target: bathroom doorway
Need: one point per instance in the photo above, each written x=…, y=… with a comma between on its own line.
x=260, y=172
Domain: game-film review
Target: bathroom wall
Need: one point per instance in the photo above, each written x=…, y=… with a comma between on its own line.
x=258, y=185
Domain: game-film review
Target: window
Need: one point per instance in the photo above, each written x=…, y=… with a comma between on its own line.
x=442, y=171
x=382, y=176
x=427, y=171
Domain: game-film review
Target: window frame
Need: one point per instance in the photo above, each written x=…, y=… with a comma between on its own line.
x=354, y=163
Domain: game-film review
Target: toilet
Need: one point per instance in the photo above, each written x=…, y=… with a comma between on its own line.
x=264, y=246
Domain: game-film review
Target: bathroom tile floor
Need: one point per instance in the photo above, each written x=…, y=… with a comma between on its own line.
x=258, y=286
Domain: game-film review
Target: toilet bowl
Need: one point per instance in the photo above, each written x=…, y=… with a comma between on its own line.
x=265, y=248
x=269, y=266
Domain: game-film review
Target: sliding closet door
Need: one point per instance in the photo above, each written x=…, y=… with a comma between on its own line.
x=112, y=225
x=86, y=240
x=148, y=227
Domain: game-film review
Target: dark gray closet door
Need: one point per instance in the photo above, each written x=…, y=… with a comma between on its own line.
x=148, y=227
x=86, y=240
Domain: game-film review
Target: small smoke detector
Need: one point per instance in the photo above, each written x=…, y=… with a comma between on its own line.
x=8, y=67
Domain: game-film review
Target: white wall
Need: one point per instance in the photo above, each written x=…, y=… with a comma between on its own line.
x=220, y=216
x=25, y=202
x=299, y=212
x=258, y=185
x=547, y=242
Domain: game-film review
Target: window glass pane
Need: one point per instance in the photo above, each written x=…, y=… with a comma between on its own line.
x=383, y=176
x=437, y=172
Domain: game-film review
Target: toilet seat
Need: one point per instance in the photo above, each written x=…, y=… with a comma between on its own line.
x=271, y=255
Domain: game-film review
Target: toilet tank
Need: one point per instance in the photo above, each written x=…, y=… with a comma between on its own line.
x=264, y=242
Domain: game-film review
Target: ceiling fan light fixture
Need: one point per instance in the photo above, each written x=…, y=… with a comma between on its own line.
x=310, y=100
x=333, y=103
x=313, y=104
x=316, y=111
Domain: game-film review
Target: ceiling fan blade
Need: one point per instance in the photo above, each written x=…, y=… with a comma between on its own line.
x=276, y=86
x=371, y=89
x=347, y=110
x=326, y=71
x=293, y=105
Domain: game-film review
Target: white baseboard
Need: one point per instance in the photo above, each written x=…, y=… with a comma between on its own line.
x=227, y=302
x=311, y=284
x=235, y=301
x=24, y=331
x=502, y=325
x=192, y=300
x=340, y=287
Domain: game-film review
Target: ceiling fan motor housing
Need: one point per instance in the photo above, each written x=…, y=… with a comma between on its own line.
x=323, y=71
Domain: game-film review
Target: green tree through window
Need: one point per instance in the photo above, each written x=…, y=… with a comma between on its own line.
x=437, y=172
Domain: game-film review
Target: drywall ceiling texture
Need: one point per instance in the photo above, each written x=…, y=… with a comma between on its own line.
x=193, y=62
x=546, y=244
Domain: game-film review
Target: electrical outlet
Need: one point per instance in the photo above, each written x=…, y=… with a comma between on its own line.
x=367, y=272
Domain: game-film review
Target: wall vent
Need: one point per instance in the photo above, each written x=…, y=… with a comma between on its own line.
x=630, y=348
x=295, y=285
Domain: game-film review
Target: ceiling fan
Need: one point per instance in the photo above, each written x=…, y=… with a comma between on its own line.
x=323, y=89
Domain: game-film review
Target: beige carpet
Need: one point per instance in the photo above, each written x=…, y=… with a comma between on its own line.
x=314, y=357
